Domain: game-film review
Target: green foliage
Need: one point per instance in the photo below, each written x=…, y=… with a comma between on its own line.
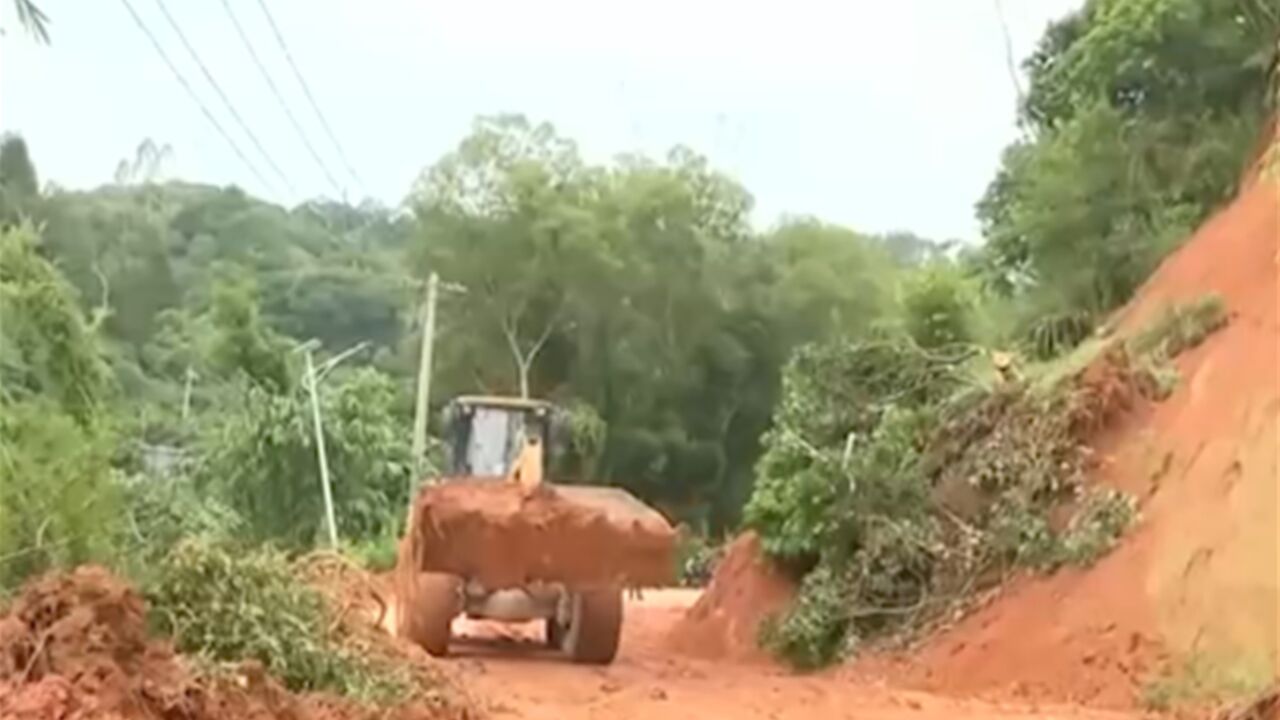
x=1180, y=328
x=33, y=19
x=260, y=455
x=845, y=431
x=243, y=345
x=814, y=632
x=1105, y=516
x=228, y=604
x=377, y=553
x=161, y=512
x=1144, y=116
x=59, y=505
x=45, y=347
x=696, y=558
x=938, y=304
x=630, y=289
x=1054, y=333
x=58, y=500
x=901, y=487
x=19, y=184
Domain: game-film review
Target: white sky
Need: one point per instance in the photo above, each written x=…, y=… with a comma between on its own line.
x=876, y=115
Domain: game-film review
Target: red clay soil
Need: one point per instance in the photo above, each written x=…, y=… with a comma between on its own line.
x=76, y=646
x=1198, y=576
x=495, y=533
x=724, y=623
x=514, y=676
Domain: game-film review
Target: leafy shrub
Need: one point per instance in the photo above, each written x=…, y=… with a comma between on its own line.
x=229, y=604
x=814, y=632
x=824, y=437
x=162, y=512
x=930, y=500
x=1053, y=334
x=939, y=305
x=1096, y=528
x=47, y=349
x=59, y=504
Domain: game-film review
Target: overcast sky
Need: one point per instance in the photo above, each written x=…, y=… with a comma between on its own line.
x=876, y=115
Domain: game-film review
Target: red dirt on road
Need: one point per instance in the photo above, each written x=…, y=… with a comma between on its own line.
x=516, y=678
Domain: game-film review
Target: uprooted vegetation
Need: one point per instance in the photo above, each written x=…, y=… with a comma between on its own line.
x=222, y=604
x=900, y=483
x=77, y=645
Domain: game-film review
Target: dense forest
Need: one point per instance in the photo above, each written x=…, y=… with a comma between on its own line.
x=150, y=379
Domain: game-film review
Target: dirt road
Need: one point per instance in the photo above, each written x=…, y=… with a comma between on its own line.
x=513, y=677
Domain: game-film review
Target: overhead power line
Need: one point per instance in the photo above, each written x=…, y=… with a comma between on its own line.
x=195, y=97
x=306, y=90
x=271, y=83
x=1011, y=62
x=223, y=96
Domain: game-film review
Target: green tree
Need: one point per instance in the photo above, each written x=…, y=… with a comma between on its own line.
x=259, y=454
x=19, y=184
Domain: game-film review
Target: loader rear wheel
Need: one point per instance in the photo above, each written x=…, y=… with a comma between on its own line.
x=427, y=607
x=595, y=626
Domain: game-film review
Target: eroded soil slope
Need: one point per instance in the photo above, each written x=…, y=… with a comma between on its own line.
x=1198, y=576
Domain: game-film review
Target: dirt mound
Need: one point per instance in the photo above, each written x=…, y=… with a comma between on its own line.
x=1198, y=576
x=76, y=646
x=745, y=590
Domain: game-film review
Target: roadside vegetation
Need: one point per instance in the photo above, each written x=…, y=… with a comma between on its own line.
x=832, y=389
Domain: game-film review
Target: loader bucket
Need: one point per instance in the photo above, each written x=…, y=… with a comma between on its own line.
x=504, y=536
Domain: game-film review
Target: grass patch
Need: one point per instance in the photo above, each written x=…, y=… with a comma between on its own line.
x=224, y=604
x=1048, y=375
x=1201, y=681
x=378, y=553
x=1094, y=531
x=1180, y=328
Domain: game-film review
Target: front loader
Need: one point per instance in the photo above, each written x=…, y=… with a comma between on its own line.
x=494, y=538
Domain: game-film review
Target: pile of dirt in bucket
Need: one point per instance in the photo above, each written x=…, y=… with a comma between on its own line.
x=745, y=590
x=75, y=645
x=1197, y=578
x=502, y=536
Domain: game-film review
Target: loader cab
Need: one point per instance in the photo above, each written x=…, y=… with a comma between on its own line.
x=485, y=434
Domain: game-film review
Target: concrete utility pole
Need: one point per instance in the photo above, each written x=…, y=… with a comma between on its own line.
x=424, y=378
x=422, y=405
x=330, y=521
x=313, y=382
x=186, y=394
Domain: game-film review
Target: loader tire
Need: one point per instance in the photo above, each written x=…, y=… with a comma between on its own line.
x=555, y=634
x=427, y=607
x=595, y=626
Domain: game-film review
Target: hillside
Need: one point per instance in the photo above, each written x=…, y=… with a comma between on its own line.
x=1196, y=583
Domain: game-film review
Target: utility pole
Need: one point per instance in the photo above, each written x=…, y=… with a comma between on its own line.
x=313, y=386
x=186, y=395
x=330, y=520
x=424, y=379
